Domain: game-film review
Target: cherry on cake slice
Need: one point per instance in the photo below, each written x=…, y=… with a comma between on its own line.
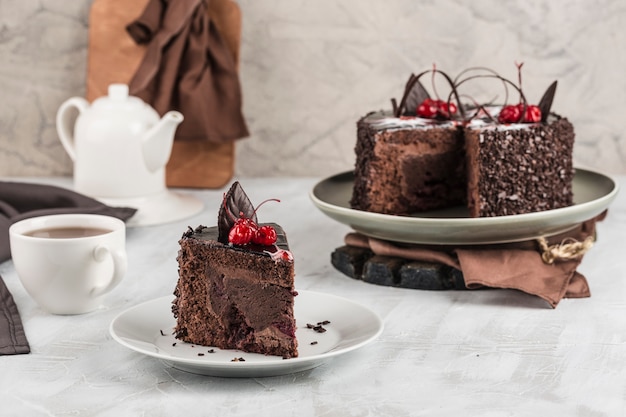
x=236, y=283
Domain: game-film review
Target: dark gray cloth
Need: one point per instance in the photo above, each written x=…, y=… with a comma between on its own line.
x=20, y=201
x=12, y=337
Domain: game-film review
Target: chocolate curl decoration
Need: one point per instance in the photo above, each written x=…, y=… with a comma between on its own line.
x=188, y=67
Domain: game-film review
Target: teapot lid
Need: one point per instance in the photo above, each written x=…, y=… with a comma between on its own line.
x=118, y=92
x=118, y=99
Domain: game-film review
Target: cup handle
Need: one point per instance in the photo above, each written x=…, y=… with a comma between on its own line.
x=120, y=263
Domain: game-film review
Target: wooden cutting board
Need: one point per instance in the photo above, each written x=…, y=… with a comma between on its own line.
x=113, y=57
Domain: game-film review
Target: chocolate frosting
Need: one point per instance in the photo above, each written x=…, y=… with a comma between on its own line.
x=211, y=234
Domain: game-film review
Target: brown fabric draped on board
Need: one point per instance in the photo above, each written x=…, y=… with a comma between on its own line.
x=188, y=67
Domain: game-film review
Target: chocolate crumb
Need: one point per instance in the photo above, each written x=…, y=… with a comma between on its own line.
x=200, y=354
x=174, y=344
x=162, y=334
x=211, y=350
x=188, y=232
x=318, y=328
x=238, y=360
x=314, y=342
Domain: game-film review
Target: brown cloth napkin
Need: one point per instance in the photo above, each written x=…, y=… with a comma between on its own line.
x=513, y=265
x=188, y=67
x=20, y=201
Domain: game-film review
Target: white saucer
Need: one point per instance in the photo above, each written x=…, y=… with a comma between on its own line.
x=147, y=328
x=165, y=207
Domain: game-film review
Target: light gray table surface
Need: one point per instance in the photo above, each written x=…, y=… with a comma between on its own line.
x=478, y=353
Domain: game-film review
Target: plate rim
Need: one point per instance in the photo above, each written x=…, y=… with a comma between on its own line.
x=285, y=364
x=455, y=222
x=181, y=206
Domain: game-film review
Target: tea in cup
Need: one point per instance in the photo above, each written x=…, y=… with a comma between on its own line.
x=68, y=262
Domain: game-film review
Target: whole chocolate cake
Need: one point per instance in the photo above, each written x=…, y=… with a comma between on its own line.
x=430, y=154
x=236, y=283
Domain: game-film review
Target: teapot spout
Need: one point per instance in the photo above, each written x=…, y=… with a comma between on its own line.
x=158, y=140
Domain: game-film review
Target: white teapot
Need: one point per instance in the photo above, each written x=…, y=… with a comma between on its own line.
x=119, y=144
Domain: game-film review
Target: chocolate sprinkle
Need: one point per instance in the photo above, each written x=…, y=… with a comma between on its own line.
x=318, y=328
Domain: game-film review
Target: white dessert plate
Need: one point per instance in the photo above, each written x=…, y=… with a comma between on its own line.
x=166, y=207
x=147, y=328
x=593, y=193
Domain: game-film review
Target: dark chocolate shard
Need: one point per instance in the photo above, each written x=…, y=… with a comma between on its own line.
x=401, y=108
x=235, y=204
x=416, y=95
x=546, y=102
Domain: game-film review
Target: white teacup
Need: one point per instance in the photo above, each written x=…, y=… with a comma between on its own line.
x=67, y=262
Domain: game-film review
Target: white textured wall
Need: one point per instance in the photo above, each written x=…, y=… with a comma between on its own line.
x=310, y=68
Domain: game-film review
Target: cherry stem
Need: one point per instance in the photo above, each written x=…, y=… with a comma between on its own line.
x=519, y=75
x=432, y=81
x=263, y=202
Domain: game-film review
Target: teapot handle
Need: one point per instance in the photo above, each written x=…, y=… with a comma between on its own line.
x=64, y=129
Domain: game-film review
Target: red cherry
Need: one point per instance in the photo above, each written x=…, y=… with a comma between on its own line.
x=266, y=236
x=431, y=109
x=427, y=109
x=452, y=108
x=513, y=114
x=246, y=230
x=510, y=114
x=446, y=109
x=242, y=232
x=533, y=114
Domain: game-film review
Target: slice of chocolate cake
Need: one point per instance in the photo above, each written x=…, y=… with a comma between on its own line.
x=236, y=295
x=519, y=168
x=408, y=165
